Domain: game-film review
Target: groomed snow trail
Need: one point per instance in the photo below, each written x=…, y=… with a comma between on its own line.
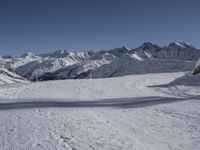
x=115, y=113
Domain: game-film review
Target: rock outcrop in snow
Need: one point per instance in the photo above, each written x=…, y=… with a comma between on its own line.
x=197, y=68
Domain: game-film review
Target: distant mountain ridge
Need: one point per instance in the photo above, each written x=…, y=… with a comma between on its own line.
x=63, y=64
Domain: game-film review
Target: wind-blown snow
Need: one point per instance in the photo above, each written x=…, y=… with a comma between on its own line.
x=130, y=112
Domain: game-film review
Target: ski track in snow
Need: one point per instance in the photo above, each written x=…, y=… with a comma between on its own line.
x=93, y=126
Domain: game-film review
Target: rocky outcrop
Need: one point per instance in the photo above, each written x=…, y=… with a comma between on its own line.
x=197, y=68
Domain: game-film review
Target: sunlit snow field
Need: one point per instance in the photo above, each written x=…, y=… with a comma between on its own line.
x=137, y=112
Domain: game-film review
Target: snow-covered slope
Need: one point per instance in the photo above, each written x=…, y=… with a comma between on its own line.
x=7, y=77
x=190, y=79
x=123, y=113
x=178, y=56
x=128, y=66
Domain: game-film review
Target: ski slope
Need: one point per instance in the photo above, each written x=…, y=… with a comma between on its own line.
x=137, y=112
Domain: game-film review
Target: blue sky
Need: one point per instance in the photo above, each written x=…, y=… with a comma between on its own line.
x=44, y=25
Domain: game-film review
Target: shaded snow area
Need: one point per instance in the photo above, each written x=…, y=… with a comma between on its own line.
x=137, y=112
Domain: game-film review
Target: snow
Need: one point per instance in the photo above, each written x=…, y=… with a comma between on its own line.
x=179, y=44
x=136, y=56
x=155, y=107
x=127, y=48
x=188, y=80
x=129, y=112
x=187, y=43
x=148, y=55
x=128, y=66
x=7, y=77
x=31, y=65
x=9, y=80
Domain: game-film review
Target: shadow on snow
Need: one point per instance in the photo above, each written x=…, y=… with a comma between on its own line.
x=134, y=102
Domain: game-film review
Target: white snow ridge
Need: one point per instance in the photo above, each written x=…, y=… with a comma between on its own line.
x=146, y=98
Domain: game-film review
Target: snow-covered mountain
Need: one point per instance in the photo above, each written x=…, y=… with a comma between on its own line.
x=128, y=66
x=147, y=58
x=175, y=50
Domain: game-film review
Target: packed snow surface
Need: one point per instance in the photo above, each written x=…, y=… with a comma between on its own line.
x=131, y=113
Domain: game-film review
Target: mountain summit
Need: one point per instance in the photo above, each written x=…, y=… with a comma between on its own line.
x=180, y=45
x=148, y=45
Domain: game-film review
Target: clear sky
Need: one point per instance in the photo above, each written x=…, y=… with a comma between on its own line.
x=44, y=25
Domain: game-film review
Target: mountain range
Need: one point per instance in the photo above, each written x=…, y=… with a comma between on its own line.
x=63, y=64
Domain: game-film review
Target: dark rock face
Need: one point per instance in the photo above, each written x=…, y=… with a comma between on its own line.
x=197, y=70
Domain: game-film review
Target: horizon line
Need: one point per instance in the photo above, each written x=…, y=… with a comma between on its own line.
x=106, y=49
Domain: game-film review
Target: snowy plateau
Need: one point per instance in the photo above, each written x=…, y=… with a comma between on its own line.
x=147, y=98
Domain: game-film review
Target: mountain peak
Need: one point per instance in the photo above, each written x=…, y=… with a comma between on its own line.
x=179, y=45
x=119, y=51
x=28, y=54
x=56, y=54
x=148, y=45
x=7, y=56
x=61, y=52
x=125, y=48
